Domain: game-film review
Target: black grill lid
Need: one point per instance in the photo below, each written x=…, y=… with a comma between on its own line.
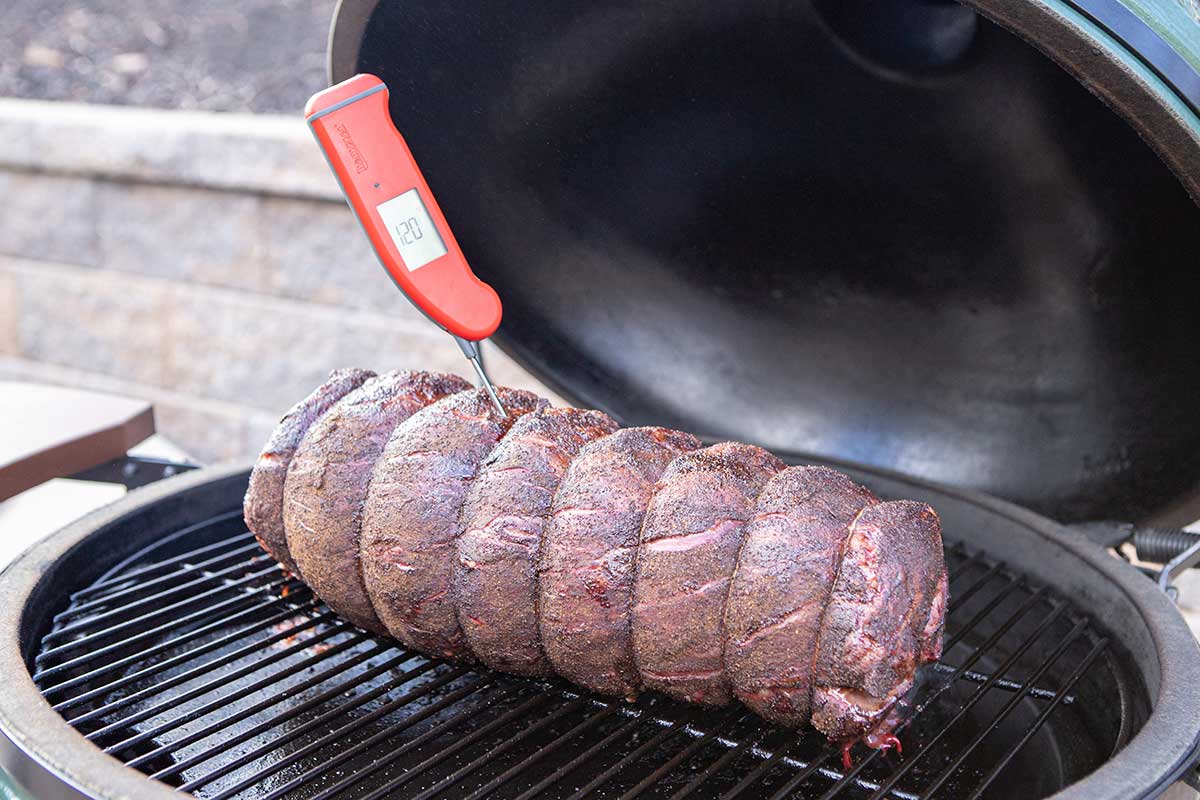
x=889, y=233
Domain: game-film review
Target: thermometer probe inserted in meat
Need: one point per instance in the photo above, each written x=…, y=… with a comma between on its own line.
x=388, y=194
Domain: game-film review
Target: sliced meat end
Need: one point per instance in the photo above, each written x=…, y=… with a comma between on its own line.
x=263, y=505
x=789, y=558
x=589, y=544
x=327, y=483
x=411, y=516
x=688, y=551
x=883, y=619
x=495, y=571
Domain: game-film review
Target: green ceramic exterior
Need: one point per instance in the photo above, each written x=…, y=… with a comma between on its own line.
x=1176, y=21
x=1170, y=20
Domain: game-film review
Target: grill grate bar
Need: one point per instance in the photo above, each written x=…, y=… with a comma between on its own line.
x=975, y=697
x=90, y=622
x=968, y=559
x=198, y=671
x=216, y=726
x=956, y=571
x=1075, y=633
x=290, y=714
x=499, y=750
x=726, y=758
x=280, y=739
x=727, y=719
x=108, y=633
x=595, y=719
x=528, y=705
x=628, y=759
x=959, y=598
x=1003, y=683
x=800, y=777
x=219, y=682
x=983, y=613
x=351, y=727
x=758, y=772
x=77, y=610
x=58, y=669
x=126, y=576
x=1073, y=679
x=193, y=653
x=577, y=761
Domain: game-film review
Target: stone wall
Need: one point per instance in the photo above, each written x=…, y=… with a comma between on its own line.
x=206, y=262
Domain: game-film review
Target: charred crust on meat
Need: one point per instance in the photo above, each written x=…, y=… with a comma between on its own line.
x=411, y=516
x=263, y=505
x=503, y=517
x=688, y=550
x=328, y=480
x=585, y=572
x=789, y=556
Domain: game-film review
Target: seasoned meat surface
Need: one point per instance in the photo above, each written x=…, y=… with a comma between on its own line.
x=548, y=541
x=328, y=480
x=412, y=510
x=777, y=596
x=263, y=506
x=588, y=552
x=689, y=547
x=505, y=511
x=881, y=622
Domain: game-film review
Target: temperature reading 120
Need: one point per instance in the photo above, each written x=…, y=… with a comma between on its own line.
x=409, y=231
x=412, y=230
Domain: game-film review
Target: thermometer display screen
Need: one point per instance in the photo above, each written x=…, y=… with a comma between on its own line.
x=408, y=222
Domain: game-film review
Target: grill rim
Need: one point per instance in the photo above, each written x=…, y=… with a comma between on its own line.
x=1166, y=746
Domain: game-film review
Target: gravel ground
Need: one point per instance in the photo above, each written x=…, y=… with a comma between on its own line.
x=219, y=55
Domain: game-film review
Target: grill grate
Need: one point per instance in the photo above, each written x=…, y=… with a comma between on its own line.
x=216, y=673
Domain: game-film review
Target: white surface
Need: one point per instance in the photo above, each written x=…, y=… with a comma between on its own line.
x=38, y=512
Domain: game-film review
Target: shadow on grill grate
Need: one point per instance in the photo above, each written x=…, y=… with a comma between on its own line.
x=214, y=672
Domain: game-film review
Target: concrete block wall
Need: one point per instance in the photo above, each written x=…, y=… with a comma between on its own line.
x=206, y=262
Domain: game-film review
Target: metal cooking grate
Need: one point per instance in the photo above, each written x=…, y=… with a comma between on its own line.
x=216, y=673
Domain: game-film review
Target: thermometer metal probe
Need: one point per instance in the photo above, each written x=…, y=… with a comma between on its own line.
x=388, y=194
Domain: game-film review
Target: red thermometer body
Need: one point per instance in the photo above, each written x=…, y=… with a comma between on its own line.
x=391, y=198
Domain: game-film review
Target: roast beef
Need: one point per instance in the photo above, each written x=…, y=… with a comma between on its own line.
x=412, y=509
x=689, y=546
x=495, y=572
x=547, y=542
x=328, y=479
x=588, y=552
x=263, y=506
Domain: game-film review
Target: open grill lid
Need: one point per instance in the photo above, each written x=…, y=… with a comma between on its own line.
x=890, y=233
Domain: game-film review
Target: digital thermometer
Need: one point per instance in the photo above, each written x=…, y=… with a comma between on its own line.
x=387, y=192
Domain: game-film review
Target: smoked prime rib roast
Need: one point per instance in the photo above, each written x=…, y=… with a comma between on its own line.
x=553, y=542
